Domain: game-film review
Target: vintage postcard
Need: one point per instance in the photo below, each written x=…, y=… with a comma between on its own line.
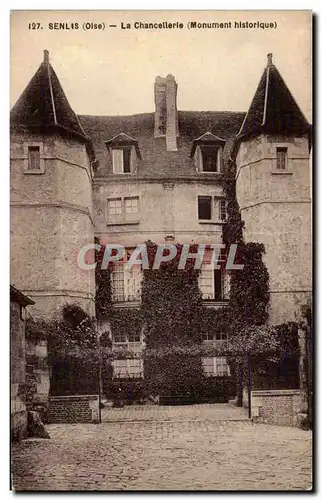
x=161, y=250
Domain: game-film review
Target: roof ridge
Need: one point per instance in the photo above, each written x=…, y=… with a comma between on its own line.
x=266, y=95
x=46, y=62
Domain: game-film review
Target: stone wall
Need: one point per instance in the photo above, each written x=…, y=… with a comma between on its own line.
x=278, y=407
x=51, y=220
x=73, y=409
x=165, y=208
x=37, y=378
x=18, y=374
x=276, y=208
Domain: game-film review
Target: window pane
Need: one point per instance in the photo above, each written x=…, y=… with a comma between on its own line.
x=128, y=368
x=204, y=207
x=127, y=160
x=134, y=337
x=281, y=155
x=206, y=283
x=218, y=284
x=222, y=210
x=33, y=158
x=222, y=368
x=119, y=338
x=209, y=158
x=208, y=366
x=131, y=208
x=208, y=337
x=118, y=161
x=118, y=283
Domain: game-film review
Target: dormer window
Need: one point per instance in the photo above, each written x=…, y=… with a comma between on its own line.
x=124, y=152
x=207, y=153
x=209, y=156
x=121, y=161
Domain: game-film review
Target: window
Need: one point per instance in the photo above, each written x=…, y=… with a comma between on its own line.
x=128, y=368
x=209, y=155
x=221, y=336
x=215, y=367
x=123, y=210
x=281, y=158
x=119, y=338
x=212, y=208
x=211, y=337
x=121, y=160
x=134, y=337
x=131, y=208
x=33, y=158
x=117, y=276
x=214, y=284
x=204, y=207
x=218, y=288
x=222, y=210
x=126, y=283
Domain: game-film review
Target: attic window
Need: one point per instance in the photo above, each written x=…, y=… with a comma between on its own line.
x=121, y=160
x=209, y=155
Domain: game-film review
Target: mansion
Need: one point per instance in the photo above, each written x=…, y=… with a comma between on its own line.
x=156, y=176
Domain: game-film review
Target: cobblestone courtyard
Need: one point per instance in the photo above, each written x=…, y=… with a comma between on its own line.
x=174, y=450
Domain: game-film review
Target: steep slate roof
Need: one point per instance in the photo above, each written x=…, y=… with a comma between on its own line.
x=156, y=160
x=19, y=297
x=44, y=105
x=273, y=109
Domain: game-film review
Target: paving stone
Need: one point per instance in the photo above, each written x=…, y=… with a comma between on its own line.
x=177, y=454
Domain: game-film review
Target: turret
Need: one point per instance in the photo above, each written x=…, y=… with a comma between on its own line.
x=273, y=190
x=51, y=197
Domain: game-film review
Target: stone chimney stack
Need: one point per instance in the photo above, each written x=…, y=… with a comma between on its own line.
x=166, y=116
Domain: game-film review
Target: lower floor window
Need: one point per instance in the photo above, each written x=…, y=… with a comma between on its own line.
x=128, y=368
x=215, y=367
x=214, y=284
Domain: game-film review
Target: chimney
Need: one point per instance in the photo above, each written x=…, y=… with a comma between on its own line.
x=166, y=117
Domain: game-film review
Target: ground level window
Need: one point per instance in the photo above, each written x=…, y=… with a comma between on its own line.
x=127, y=368
x=215, y=367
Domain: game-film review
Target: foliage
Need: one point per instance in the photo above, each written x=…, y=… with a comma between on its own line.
x=172, y=309
x=125, y=320
x=103, y=296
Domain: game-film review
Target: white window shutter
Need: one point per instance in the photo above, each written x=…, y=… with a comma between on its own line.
x=117, y=161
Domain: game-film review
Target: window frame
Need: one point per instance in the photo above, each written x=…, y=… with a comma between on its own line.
x=280, y=171
x=215, y=362
x=225, y=285
x=131, y=281
x=215, y=209
x=26, y=164
x=122, y=219
x=208, y=198
x=128, y=149
x=209, y=148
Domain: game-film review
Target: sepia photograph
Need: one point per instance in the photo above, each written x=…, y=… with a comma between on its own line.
x=161, y=251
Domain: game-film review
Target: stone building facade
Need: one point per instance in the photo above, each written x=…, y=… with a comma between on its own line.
x=156, y=176
x=18, y=304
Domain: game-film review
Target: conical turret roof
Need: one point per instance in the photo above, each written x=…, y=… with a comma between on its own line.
x=44, y=105
x=273, y=109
